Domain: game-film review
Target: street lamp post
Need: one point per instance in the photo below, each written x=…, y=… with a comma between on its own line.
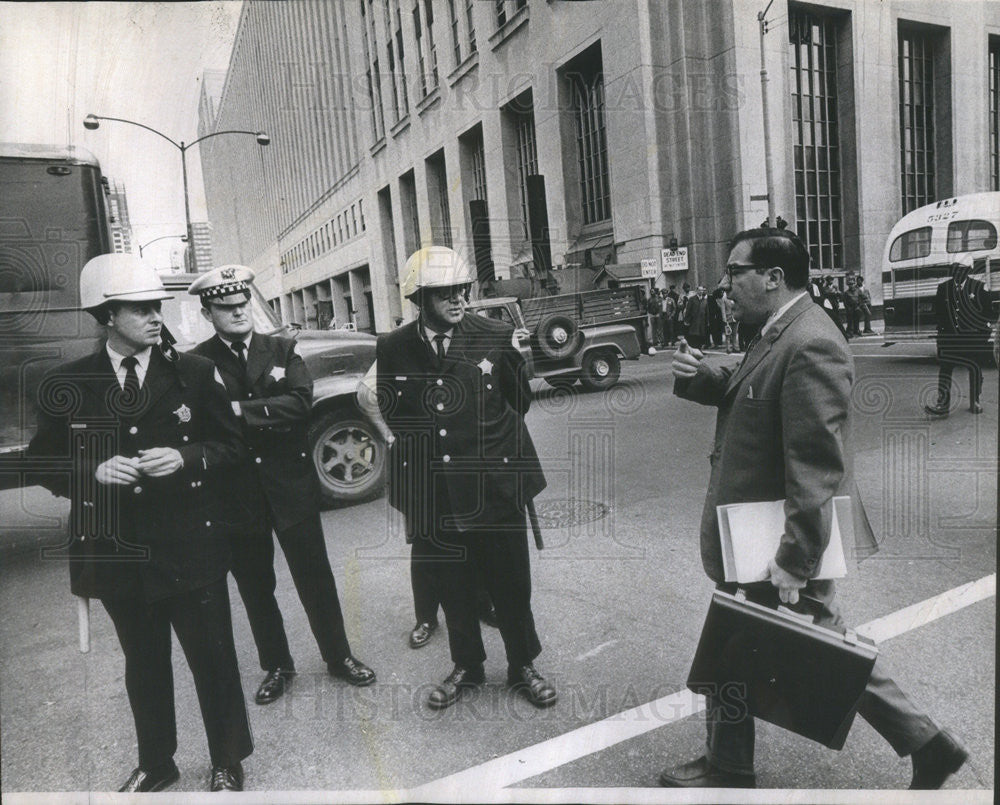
x=142, y=246
x=92, y=122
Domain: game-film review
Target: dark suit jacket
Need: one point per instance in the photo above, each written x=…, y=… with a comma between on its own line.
x=160, y=536
x=463, y=455
x=781, y=432
x=275, y=395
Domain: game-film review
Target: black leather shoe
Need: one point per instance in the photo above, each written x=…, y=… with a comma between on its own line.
x=702, y=774
x=936, y=761
x=938, y=409
x=352, y=671
x=227, y=778
x=533, y=685
x=153, y=780
x=421, y=634
x=274, y=685
x=446, y=694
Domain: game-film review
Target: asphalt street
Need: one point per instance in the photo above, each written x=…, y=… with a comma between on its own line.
x=619, y=598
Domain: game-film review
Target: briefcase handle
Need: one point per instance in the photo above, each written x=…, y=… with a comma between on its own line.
x=850, y=635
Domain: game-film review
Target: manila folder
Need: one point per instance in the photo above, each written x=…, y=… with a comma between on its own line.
x=751, y=533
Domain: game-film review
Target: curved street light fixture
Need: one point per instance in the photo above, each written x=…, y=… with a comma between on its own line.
x=93, y=121
x=142, y=246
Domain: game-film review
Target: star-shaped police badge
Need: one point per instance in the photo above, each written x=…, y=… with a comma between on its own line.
x=278, y=372
x=485, y=367
x=183, y=414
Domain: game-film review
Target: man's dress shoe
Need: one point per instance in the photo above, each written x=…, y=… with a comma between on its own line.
x=938, y=409
x=421, y=634
x=936, y=761
x=533, y=685
x=227, y=778
x=352, y=671
x=153, y=780
x=446, y=694
x=702, y=774
x=274, y=685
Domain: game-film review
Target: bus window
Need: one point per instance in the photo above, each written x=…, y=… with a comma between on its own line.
x=971, y=236
x=911, y=245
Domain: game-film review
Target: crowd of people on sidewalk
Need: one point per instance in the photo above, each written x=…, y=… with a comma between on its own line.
x=706, y=321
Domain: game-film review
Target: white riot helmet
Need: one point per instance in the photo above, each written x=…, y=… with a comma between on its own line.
x=435, y=267
x=119, y=278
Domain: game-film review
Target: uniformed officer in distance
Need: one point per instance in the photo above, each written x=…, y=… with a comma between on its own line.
x=453, y=390
x=277, y=487
x=143, y=434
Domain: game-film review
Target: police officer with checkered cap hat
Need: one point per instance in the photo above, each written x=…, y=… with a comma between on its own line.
x=277, y=489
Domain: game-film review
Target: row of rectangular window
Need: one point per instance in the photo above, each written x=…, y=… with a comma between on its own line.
x=333, y=233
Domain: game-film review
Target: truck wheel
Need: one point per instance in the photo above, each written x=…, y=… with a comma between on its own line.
x=558, y=336
x=349, y=457
x=601, y=370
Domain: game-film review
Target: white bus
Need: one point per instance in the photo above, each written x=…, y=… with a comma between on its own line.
x=921, y=247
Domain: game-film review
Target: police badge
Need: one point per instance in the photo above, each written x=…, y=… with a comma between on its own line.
x=183, y=414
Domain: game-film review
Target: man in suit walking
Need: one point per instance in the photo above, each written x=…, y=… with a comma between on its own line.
x=962, y=311
x=453, y=391
x=271, y=391
x=153, y=429
x=782, y=433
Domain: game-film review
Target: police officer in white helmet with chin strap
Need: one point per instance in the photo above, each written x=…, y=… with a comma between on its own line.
x=451, y=391
x=142, y=433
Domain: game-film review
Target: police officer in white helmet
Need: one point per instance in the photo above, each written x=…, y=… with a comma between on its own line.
x=138, y=434
x=451, y=390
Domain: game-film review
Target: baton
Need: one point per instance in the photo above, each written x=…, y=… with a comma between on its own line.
x=535, y=528
x=83, y=622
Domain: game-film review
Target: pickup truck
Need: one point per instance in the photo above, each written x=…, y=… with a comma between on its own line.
x=583, y=336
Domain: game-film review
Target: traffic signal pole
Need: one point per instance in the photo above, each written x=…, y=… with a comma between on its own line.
x=768, y=168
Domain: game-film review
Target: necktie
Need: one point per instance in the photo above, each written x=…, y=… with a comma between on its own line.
x=241, y=353
x=131, y=386
x=439, y=347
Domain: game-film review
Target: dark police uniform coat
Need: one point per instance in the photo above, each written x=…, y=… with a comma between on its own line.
x=963, y=318
x=463, y=457
x=153, y=551
x=279, y=490
x=275, y=395
x=163, y=531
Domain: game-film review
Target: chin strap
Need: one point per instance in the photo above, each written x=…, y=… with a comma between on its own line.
x=166, y=344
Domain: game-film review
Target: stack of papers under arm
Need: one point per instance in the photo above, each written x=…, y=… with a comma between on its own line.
x=751, y=534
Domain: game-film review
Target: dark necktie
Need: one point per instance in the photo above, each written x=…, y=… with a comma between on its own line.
x=439, y=347
x=131, y=387
x=241, y=353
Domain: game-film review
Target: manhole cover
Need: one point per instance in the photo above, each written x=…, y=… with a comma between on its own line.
x=564, y=513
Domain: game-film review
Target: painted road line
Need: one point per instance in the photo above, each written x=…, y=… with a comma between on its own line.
x=922, y=613
x=555, y=752
x=531, y=761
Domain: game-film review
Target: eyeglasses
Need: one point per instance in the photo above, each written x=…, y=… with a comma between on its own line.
x=733, y=269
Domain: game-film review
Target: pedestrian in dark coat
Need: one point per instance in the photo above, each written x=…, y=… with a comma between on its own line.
x=271, y=390
x=154, y=432
x=453, y=391
x=963, y=313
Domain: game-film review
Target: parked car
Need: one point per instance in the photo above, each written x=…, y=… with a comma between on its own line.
x=347, y=451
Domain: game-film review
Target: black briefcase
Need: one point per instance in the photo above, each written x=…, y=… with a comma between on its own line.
x=781, y=667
